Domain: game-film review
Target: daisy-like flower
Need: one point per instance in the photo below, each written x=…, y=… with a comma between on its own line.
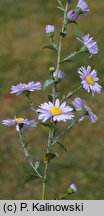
x=89, y=80
x=20, y=123
x=82, y=105
x=82, y=7
x=73, y=15
x=57, y=112
x=89, y=45
x=61, y=74
x=22, y=87
x=72, y=189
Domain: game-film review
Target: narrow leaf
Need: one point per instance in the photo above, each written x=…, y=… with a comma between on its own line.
x=63, y=34
x=50, y=46
x=62, y=9
x=29, y=178
x=50, y=97
x=69, y=58
x=36, y=165
x=47, y=83
x=62, y=146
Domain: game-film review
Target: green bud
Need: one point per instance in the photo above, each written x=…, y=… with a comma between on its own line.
x=51, y=69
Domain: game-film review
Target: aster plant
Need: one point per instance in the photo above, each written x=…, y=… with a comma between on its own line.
x=58, y=108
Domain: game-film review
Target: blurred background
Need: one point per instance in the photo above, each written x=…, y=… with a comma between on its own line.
x=22, y=59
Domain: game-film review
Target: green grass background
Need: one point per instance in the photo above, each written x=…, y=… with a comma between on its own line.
x=22, y=59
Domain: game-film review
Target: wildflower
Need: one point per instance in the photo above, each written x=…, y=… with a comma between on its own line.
x=20, y=123
x=23, y=88
x=89, y=80
x=72, y=189
x=50, y=29
x=82, y=105
x=73, y=15
x=82, y=7
x=60, y=74
x=57, y=112
x=89, y=45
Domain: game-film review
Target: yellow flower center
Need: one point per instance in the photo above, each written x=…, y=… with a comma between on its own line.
x=56, y=111
x=90, y=80
x=19, y=120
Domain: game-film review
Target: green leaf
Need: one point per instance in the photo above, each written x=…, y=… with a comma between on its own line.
x=47, y=83
x=62, y=146
x=69, y=58
x=51, y=46
x=50, y=97
x=63, y=34
x=69, y=95
x=60, y=8
x=29, y=178
x=36, y=165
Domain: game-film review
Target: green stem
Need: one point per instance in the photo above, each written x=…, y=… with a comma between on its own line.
x=67, y=130
x=27, y=153
x=31, y=104
x=45, y=181
x=54, y=89
x=70, y=94
x=61, y=39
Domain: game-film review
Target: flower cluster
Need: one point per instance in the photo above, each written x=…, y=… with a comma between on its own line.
x=56, y=110
x=81, y=8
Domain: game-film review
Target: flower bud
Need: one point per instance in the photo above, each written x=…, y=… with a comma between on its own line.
x=72, y=189
x=51, y=69
x=60, y=74
x=73, y=15
x=50, y=30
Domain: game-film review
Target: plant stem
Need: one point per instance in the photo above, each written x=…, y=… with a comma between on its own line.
x=45, y=181
x=31, y=104
x=54, y=89
x=27, y=153
x=61, y=39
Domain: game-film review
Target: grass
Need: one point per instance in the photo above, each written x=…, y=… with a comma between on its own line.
x=22, y=59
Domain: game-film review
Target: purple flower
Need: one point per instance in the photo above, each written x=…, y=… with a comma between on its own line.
x=20, y=123
x=90, y=45
x=60, y=74
x=72, y=189
x=82, y=105
x=82, y=7
x=49, y=28
x=73, y=15
x=89, y=80
x=79, y=103
x=22, y=87
x=57, y=112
